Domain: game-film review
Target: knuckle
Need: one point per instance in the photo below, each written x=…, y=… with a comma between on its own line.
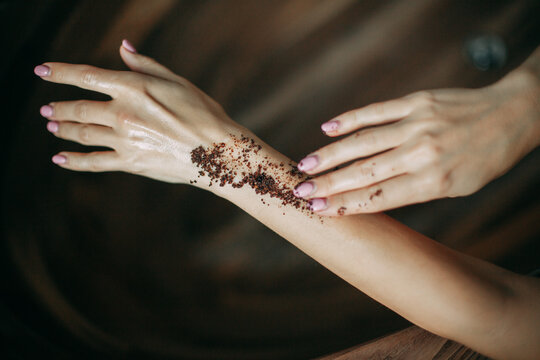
x=57, y=73
x=123, y=119
x=423, y=97
x=355, y=115
x=362, y=170
x=429, y=150
x=378, y=108
x=426, y=101
x=368, y=137
x=89, y=76
x=425, y=125
x=92, y=164
x=84, y=134
x=80, y=110
x=440, y=182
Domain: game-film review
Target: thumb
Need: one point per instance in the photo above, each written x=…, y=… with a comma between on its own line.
x=144, y=64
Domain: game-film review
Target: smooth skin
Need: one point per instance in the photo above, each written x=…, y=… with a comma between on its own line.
x=181, y=117
x=154, y=120
x=425, y=146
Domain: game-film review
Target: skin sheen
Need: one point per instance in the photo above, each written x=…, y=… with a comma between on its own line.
x=155, y=118
x=424, y=146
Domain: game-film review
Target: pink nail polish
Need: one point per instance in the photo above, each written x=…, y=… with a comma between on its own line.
x=46, y=111
x=52, y=126
x=318, y=204
x=330, y=126
x=42, y=70
x=129, y=46
x=59, y=159
x=303, y=189
x=308, y=163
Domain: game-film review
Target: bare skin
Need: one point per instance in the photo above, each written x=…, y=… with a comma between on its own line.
x=156, y=118
x=425, y=146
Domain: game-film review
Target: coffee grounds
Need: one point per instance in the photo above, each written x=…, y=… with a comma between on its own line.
x=377, y=193
x=231, y=165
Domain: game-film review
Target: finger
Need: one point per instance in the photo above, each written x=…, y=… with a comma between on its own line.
x=95, y=161
x=373, y=114
x=84, y=76
x=357, y=175
x=363, y=143
x=396, y=192
x=144, y=64
x=91, y=135
x=82, y=111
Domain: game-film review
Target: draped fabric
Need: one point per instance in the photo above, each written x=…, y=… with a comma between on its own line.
x=116, y=265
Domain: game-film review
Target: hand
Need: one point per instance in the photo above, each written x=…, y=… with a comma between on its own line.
x=428, y=145
x=151, y=124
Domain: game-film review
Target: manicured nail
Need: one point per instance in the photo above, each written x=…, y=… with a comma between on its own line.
x=129, y=46
x=46, y=111
x=42, y=70
x=330, y=126
x=308, y=163
x=52, y=126
x=59, y=159
x=303, y=189
x=318, y=204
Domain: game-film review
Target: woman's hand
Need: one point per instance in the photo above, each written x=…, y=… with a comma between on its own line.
x=154, y=120
x=428, y=145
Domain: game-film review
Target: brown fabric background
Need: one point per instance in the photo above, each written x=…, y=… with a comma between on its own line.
x=99, y=265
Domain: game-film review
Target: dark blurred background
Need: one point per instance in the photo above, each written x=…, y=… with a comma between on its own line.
x=114, y=265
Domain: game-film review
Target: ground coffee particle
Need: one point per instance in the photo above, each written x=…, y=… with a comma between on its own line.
x=377, y=193
x=295, y=172
x=222, y=169
x=341, y=211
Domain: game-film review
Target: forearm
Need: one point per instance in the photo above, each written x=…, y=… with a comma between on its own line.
x=443, y=291
x=156, y=118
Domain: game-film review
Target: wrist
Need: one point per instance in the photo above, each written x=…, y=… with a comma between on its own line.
x=531, y=67
x=206, y=147
x=243, y=166
x=529, y=79
x=520, y=89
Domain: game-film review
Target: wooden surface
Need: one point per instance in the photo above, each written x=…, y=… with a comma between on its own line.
x=116, y=265
x=412, y=343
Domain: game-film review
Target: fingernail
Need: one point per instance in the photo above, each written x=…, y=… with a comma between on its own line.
x=42, y=70
x=308, y=163
x=59, y=159
x=52, y=126
x=303, y=189
x=330, y=126
x=46, y=111
x=317, y=204
x=129, y=46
